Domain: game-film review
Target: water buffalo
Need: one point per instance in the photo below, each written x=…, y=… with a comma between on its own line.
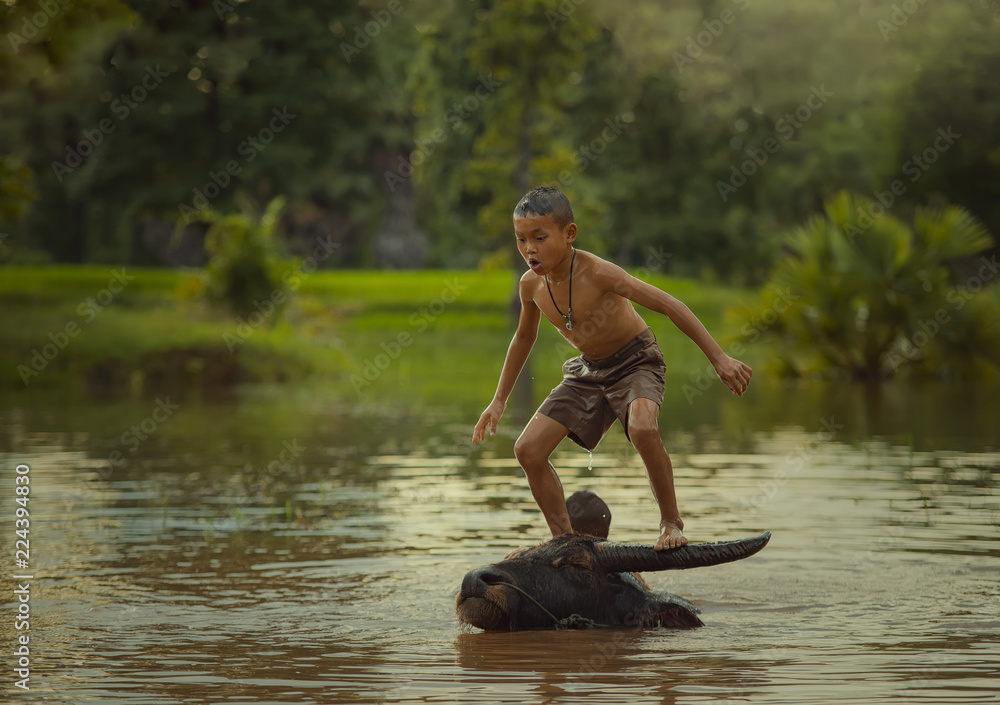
x=579, y=580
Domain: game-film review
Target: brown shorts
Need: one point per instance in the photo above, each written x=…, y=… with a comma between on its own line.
x=594, y=393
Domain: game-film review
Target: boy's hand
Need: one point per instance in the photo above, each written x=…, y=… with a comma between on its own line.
x=734, y=374
x=490, y=418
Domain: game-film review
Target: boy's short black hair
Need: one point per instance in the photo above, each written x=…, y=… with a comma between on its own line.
x=588, y=514
x=546, y=200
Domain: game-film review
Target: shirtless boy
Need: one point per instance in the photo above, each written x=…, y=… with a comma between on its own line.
x=620, y=372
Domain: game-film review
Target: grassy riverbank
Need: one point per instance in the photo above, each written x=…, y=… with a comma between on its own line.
x=120, y=330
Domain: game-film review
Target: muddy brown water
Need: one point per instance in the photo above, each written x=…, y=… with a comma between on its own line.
x=282, y=547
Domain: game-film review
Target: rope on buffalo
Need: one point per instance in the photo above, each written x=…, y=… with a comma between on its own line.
x=574, y=621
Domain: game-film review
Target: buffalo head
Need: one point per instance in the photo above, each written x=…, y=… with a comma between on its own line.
x=580, y=580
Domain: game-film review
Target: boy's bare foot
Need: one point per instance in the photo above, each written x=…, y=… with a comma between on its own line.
x=670, y=537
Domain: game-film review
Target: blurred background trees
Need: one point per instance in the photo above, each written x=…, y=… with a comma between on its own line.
x=411, y=128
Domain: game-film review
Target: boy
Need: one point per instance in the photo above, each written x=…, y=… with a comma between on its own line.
x=620, y=373
x=588, y=514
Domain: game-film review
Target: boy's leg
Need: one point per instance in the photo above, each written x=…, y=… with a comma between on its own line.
x=532, y=449
x=644, y=433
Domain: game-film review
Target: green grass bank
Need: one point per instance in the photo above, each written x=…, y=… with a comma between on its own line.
x=420, y=333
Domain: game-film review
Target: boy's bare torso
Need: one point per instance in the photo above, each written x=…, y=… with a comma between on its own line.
x=604, y=320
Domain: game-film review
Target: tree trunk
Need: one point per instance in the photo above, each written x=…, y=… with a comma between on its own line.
x=523, y=393
x=399, y=242
x=78, y=236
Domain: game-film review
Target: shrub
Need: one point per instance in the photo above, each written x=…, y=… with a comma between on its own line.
x=862, y=292
x=245, y=260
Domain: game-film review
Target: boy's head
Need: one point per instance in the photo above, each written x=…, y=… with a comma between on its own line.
x=544, y=228
x=589, y=514
x=546, y=200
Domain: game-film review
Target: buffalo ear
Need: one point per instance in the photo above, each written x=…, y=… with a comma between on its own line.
x=628, y=558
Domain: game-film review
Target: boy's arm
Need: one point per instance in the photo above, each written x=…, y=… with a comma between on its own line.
x=517, y=354
x=733, y=373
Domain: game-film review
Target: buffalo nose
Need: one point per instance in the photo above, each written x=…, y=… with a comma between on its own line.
x=477, y=581
x=490, y=577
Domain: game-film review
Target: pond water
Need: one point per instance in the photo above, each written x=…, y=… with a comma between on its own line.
x=281, y=546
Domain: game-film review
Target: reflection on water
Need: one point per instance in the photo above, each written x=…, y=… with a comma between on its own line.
x=283, y=548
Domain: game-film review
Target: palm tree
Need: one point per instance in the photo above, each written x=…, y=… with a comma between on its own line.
x=860, y=291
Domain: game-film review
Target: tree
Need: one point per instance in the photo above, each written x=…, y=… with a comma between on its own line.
x=50, y=62
x=145, y=112
x=490, y=92
x=863, y=293
x=250, y=98
x=955, y=90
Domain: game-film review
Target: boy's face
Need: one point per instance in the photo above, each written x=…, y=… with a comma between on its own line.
x=542, y=243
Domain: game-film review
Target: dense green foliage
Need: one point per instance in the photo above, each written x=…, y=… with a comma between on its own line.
x=247, y=266
x=406, y=130
x=869, y=295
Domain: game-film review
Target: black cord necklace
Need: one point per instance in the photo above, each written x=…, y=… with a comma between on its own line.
x=567, y=316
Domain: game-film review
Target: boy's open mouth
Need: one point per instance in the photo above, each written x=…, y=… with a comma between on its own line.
x=534, y=263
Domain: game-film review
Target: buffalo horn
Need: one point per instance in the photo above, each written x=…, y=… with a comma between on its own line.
x=625, y=558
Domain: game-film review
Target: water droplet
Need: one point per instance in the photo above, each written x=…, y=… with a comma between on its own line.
x=590, y=466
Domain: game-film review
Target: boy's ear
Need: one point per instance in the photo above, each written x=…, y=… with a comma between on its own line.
x=570, y=232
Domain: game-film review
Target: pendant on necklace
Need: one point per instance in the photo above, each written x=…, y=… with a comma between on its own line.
x=569, y=304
